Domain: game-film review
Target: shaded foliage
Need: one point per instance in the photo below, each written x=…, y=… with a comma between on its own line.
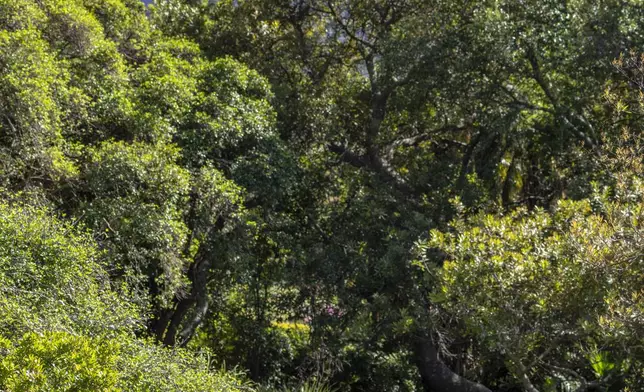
x=363, y=195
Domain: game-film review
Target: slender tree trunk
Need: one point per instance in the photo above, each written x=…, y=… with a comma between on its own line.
x=436, y=376
x=161, y=323
x=201, y=309
x=508, y=182
x=175, y=328
x=180, y=311
x=467, y=157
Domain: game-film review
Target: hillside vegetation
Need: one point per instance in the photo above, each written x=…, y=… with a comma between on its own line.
x=321, y=195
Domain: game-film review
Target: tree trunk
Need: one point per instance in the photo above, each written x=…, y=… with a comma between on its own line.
x=201, y=309
x=198, y=274
x=436, y=376
x=180, y=311
x=175, y=326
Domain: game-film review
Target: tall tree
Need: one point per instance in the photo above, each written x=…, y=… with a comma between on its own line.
x=395, y=108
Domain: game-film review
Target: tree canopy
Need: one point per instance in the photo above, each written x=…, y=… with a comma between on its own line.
x=395, y=195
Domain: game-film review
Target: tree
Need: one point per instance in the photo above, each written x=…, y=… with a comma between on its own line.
x=556, y=293
x=66, y=326
x=258, y=176
x=394, y=108
x=133, y=133
x=541, y=290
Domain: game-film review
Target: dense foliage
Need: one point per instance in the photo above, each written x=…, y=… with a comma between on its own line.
x=311, y=195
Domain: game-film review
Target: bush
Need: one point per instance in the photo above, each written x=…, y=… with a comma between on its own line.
x=51, y=278
x=59, y=361
x=64, y=329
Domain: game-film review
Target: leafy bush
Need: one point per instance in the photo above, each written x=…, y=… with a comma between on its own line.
x=150, y=368
x=526, y=282
x=59, y=361
x=51, y=278
x=63, y=327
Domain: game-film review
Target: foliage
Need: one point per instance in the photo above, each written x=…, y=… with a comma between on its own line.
x=556, y=293
x=525, y=284
x=256, y=179
x=144, y=366
x=58, y=361
x=45, y=265
x=78, y=331
x=139, y=192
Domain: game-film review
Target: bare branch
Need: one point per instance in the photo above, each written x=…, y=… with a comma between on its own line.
x=415, y=140
x=346, y=29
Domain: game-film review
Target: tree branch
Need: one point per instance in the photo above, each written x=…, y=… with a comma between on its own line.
x=413, y=141
x=537, y=75
x=438, y=377
x=348, y=156
x=523, y=376
x=374, y=163
x=563, y=112
x=345, y=28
